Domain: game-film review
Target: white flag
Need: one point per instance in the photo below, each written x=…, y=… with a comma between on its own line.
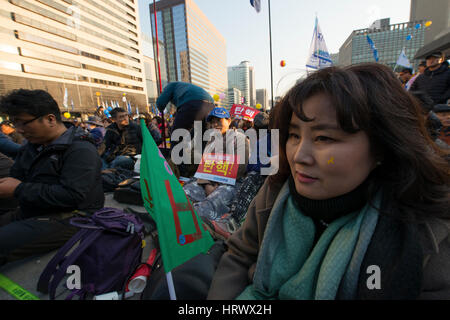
x=66, y=97
x=403, y=60
x=319, y=57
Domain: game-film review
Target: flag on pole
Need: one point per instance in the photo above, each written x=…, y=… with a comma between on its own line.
x=66, y=97
x=129, y=107
x=137, y=110
x=256, y=4
x=181, y=232
x=374, y=49
x=403, y=59
x=71, y=103
x=319, y=56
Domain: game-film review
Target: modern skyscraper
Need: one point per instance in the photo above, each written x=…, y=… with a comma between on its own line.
x=389, y=40
x=234, y=97
x=91, y=49
x=242, y=77
x=195, y=51
x=152, y=85
x=261, y=97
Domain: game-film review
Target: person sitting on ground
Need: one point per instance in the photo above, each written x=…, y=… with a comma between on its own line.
x=435, y=81
x=99, y=112
x=152, y=128
x=442, y=111
x=95, y=127
x=123, y=140
x=55, y=177
x=359, y=206
x=212, y=199
x=405, y=75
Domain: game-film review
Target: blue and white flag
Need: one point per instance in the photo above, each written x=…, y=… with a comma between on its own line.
x=256, y=4
x=374, y=49
x=129, y=107
x=137, y=110
x=71, y=103
x=403, y=60
x=319, y=57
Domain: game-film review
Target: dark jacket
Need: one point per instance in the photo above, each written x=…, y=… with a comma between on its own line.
x=8, y=147
x=60, y=177
x=435, y=83
x=237, y=266
x=126, y=142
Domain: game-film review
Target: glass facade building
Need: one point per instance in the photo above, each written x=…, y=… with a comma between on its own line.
x=89, y=48
x=389, y=40
x=193, y=50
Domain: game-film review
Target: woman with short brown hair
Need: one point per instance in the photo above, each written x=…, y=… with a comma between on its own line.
x=359, y=207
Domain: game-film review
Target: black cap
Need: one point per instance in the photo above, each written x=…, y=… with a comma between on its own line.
x=436, y=54
x=441, y=108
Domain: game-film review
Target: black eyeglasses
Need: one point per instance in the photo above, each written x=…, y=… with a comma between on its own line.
x=23, y=124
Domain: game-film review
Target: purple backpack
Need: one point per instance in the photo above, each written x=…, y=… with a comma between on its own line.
x=109, y=251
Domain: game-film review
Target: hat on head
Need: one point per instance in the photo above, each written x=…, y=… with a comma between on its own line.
x=423, y=63
x=95, y=120
x=8, y=123
x=436, y=54
x=218, y=112
x=441, y=108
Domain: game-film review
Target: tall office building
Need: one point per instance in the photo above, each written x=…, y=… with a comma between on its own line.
x=195, y=51
x=234, y=96
x=151, y=80
x=242, y=77
x=261, y=97
x=91, y=49
x=389, y=40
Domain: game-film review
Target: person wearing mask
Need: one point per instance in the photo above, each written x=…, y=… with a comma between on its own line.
x=359, y=206
x=435, y=81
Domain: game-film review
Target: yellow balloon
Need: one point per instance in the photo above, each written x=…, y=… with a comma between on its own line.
x=66, y=115
x=428, y=23
x=216, y=97
x=258, y=106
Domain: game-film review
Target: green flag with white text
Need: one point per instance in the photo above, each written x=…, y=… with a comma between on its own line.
x=181, y=232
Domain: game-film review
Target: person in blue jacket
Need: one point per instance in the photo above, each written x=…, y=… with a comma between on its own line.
x=192, y=102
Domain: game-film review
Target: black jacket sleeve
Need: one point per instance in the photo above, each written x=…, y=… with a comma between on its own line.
x=80, y=167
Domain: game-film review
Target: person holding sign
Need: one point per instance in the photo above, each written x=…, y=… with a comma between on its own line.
x=224, y=162
x=374, y=224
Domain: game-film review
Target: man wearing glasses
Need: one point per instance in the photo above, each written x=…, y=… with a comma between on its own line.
x=55, y=174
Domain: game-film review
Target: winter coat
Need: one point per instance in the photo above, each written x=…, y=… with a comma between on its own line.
x=435, y=83
x=180, y=93
x=126, y=142
x=60, y=177
x=237, y=266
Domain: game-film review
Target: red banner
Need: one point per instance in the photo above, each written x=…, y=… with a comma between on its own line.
x=218, y=167
x=239, y=111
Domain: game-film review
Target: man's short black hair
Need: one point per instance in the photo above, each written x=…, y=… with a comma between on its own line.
x=115, y=111
x=407, y=70
x=34, y=102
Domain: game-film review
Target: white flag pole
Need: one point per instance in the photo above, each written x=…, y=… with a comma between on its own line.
x=171, y=286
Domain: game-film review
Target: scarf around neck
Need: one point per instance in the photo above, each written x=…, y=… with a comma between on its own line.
x=290, y=266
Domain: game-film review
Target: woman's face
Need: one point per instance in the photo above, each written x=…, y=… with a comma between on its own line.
x=326, y=161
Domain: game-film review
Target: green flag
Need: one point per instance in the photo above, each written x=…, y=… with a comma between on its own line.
x=181, y=232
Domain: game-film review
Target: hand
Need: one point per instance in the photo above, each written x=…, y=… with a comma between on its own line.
x=8, y=186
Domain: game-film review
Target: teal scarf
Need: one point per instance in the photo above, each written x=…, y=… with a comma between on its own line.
x=289, y=267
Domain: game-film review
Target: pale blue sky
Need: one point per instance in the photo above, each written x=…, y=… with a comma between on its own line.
x=247, y=32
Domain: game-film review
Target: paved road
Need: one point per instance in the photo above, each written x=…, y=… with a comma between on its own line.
x=26, y=273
